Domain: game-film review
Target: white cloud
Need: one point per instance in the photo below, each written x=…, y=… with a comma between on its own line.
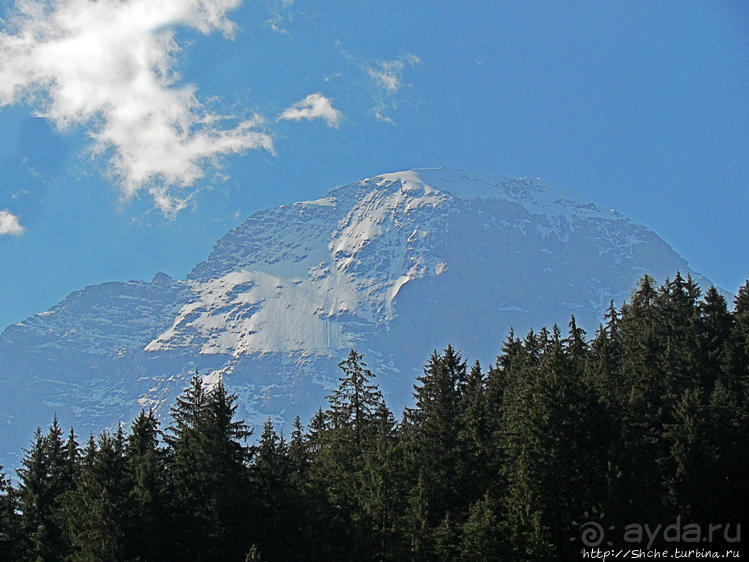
x=389, y=74
x=314, y=106
x=385, y=80
x=9, y=224
x=280, y=12
x=388, y=79
x=109, y=66
x=382, y=117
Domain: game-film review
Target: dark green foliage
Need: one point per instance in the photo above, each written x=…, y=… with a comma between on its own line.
x=148, y=498
x=354, y=402
x=435, y=435
x=46, y=477
x=10, y=525
x=207, y=474
x=548, y=436
x=646, y=422
x=350, y=441
x=274, y=496
x=99, y=512
x=482, y=533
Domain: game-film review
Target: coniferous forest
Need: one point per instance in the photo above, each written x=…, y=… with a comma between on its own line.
x=645, y=421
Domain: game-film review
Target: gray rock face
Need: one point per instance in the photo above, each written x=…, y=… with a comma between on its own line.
x=394, y=266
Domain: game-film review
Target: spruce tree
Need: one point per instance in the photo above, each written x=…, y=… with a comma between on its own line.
x=10, y=528
x=678, y=322
x=100, y=509
x=736, y=362
x=384, y=487
x=550, y=447
x=446, y=540
x=482, y=533
x=342, y=435
x=145, y=465
x=354, y=402
x=299, y=456
x=692, y=454
x=272, y=493
x=435, y=434
x=642, y=462
x=207, y=472
x=45, y=479
x=725, y=489
x=713, y=335
x=473, y=433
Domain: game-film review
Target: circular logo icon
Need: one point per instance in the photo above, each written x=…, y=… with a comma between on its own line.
x=591, y=533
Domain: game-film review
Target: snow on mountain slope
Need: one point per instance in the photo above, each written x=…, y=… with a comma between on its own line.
x=264, y=289
x=394, y=266
x=111, y=318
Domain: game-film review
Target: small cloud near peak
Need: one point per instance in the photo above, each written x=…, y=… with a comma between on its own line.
x=314, y=106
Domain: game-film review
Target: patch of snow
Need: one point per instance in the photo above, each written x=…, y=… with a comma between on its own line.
x=322, y=202
x=211, y=380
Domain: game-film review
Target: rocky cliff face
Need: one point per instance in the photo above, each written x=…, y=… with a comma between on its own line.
x=394, y=266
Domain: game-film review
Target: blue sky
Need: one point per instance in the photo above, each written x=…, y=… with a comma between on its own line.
x=133, y=137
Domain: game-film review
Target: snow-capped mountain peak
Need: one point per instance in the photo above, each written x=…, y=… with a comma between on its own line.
x=393, y=265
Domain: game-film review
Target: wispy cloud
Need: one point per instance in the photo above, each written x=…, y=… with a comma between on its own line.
x=9, y=224
x=280, y=13
x=314, y=106
x=385, y=80
x=109, y=66
x=389, y=74
x=388, y=79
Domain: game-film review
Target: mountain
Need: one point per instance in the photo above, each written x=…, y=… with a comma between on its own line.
x=394, y=266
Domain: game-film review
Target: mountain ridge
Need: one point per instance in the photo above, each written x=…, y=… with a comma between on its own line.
x=393, y=265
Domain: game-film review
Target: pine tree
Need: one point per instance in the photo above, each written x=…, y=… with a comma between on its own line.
x=446, y=538
x=741, y=302
x=643, y=458
x=10, y=527
x=435, y=434
x=186, y=471
x=575, y=344
x=318, y=427
x=725, y=489
x=647, y=422
x=354, y=402
x=340, y=438
x=207, y=474
x=301, y=524
x=272, y=492
x=508, y=368
x=45, y=478
x=482, y=533
x=418, y=528
x=321, y=509
x=713, y=334
x=678, y=322
x=299, y=456
x=473, y=433
x=384, y=487
x=551, y=449
x=692, y=454
x=736, y=362
x=100, y=508
x=145, y=465
x=728, y=420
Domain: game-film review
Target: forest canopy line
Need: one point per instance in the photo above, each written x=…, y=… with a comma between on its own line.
x=644, y=422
